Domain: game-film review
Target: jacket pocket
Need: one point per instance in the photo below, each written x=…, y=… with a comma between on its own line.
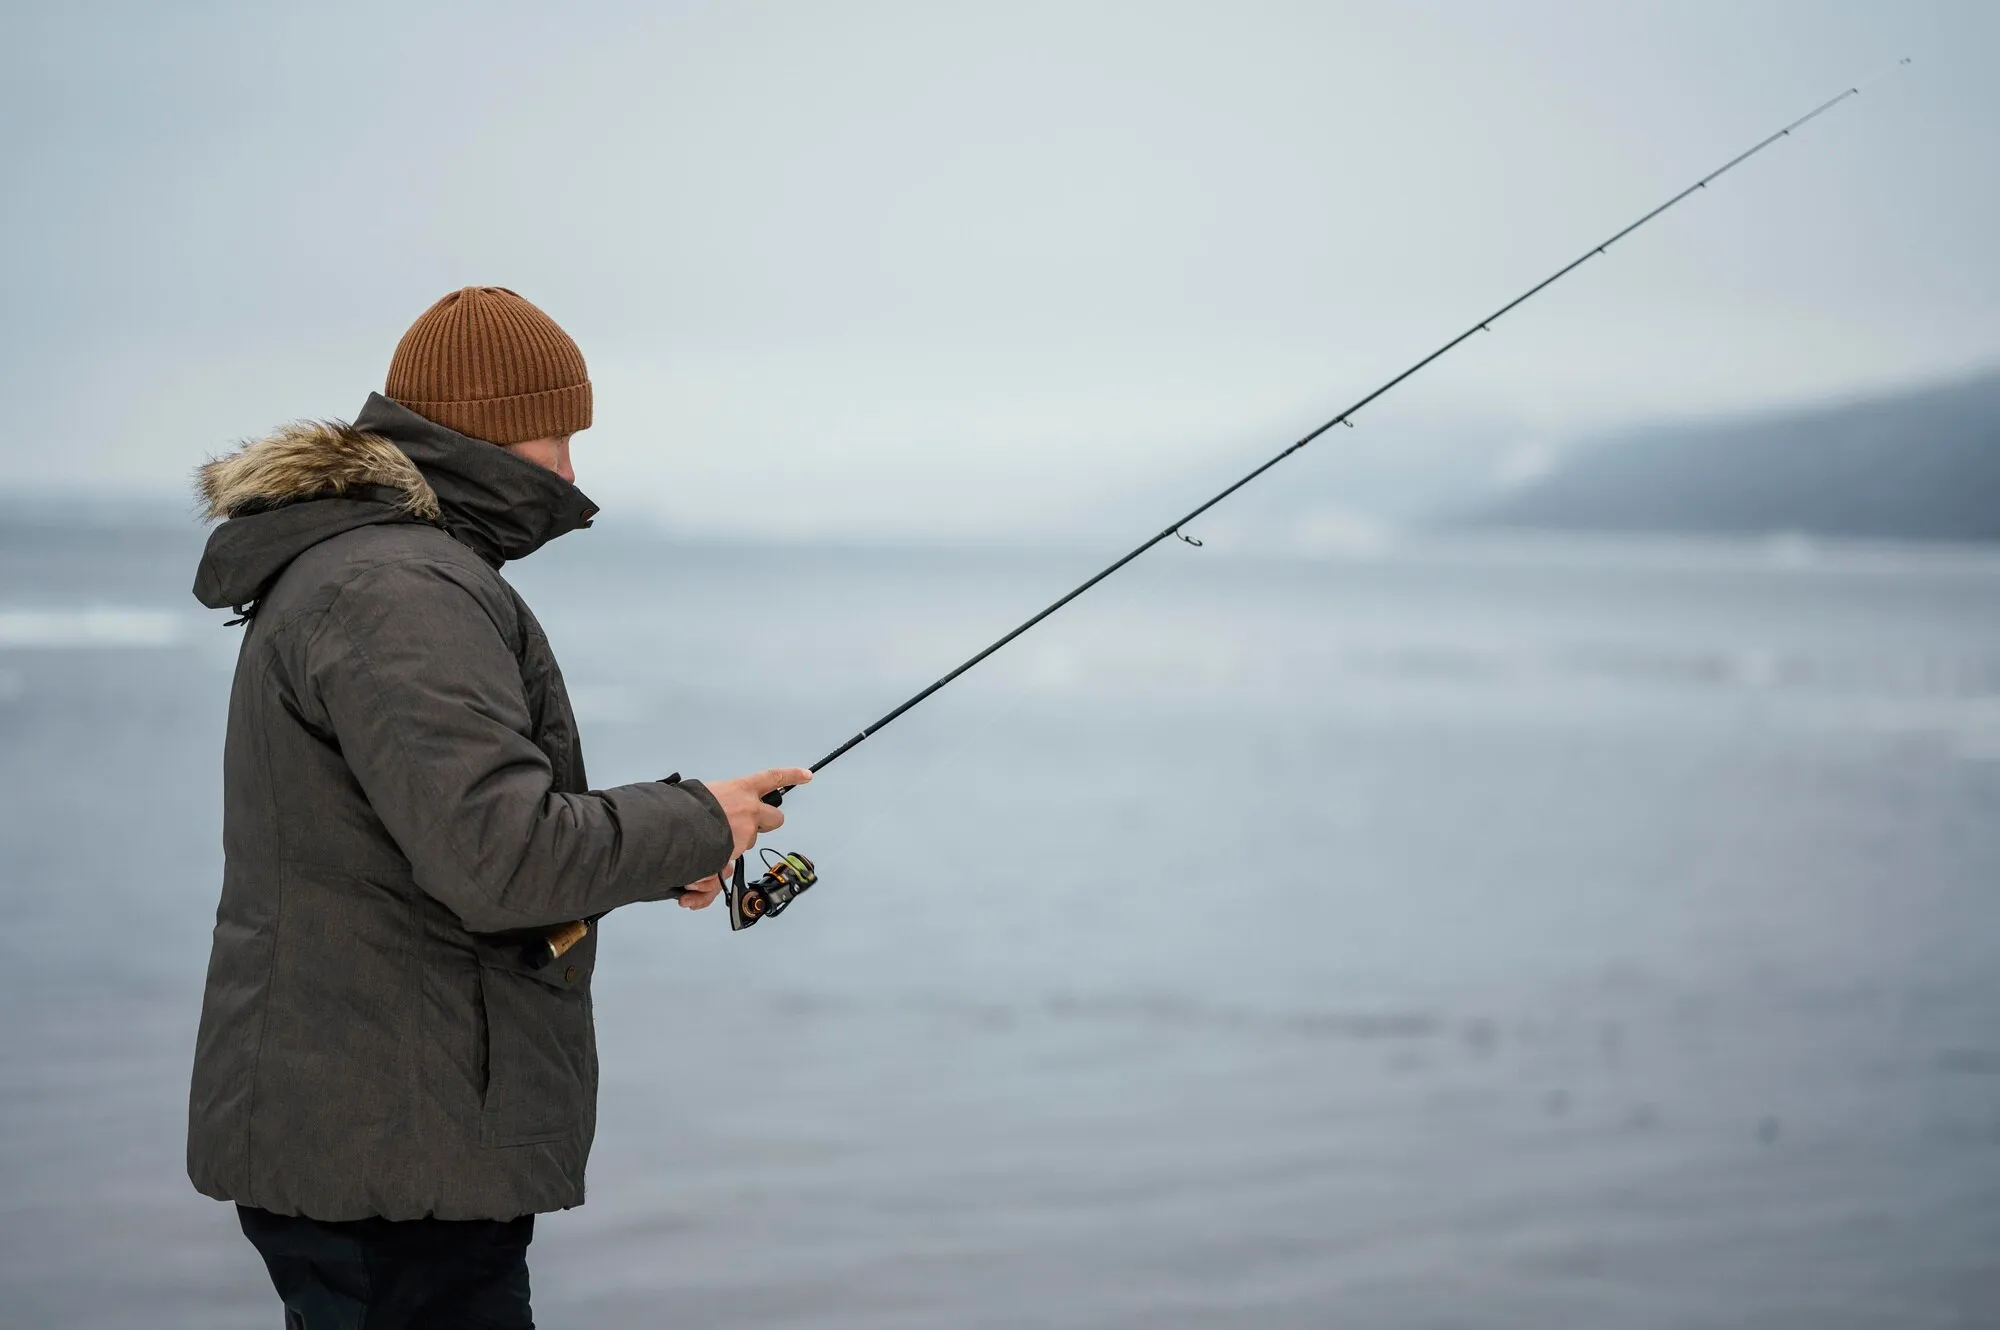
x=541, y=1082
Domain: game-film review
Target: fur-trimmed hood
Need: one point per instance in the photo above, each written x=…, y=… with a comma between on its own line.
x=311, y=459
x=278, y=496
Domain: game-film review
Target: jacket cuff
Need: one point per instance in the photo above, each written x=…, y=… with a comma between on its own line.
x=714, y=828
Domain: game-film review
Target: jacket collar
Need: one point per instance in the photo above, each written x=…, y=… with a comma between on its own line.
x=500, y=506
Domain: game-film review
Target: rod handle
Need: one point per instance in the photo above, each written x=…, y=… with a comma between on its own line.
x=554, y=943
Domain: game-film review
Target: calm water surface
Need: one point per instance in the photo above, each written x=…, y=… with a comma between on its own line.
x=1483, y=935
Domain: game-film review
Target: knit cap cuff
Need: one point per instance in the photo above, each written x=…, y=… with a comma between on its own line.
x=513, y=419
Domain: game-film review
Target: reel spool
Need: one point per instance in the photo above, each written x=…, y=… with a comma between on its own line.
x=786, y=878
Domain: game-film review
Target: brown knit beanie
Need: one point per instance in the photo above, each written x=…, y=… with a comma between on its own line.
x=487, y=363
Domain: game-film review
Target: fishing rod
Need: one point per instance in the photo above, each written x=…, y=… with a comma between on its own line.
x=790, y=875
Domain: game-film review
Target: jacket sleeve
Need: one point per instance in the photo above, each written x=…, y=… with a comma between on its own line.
x=425, y=698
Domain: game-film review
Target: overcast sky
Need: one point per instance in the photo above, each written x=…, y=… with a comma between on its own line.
x=928, y=268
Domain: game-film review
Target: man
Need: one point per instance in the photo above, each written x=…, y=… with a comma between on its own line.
x=388, y=1080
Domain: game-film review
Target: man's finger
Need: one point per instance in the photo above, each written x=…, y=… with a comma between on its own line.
x=779, y=777
x=698, y=894
x=769, y=818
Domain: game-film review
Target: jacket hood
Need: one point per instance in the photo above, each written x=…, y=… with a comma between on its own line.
x=309, y=481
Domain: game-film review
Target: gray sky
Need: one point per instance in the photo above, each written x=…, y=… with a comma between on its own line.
x=926, y=268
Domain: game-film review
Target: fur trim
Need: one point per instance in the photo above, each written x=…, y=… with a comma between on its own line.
x=311, y=459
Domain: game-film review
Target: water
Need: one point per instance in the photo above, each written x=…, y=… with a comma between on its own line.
x=1486, y=935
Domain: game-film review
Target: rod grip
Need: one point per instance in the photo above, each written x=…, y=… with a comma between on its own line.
x=554, y=943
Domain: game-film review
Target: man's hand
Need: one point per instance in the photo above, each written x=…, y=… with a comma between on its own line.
x=700, y=895
x=743, y=803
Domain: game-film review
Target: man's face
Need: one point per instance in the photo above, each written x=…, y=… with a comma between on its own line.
x=551, y=453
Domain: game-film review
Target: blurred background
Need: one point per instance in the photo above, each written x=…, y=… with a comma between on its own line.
x=1534, y=865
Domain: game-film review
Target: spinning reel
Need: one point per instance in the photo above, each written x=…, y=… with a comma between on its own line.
x=786, y=878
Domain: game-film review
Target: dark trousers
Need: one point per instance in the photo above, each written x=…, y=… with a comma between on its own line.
x=416, y=1274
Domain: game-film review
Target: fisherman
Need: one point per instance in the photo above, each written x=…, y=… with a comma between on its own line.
x=388, y=1081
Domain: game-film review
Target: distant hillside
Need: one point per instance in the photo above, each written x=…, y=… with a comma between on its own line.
x=1919, y=465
